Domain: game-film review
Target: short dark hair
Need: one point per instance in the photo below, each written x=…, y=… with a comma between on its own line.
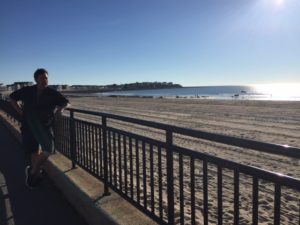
x=39, y=72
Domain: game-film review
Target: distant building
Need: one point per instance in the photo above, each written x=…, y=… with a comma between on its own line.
x=55, y=87
x=18, y=85
x=59, y=87
x=2, y=88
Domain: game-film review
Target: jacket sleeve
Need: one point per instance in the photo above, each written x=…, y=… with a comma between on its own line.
x=61, y=100
x=18, y=94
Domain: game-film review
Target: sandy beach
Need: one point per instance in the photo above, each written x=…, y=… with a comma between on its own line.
x=267, y=121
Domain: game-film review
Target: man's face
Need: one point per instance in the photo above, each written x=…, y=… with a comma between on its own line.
x=42, y=80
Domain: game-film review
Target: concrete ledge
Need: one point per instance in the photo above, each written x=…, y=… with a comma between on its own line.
x=84, y=191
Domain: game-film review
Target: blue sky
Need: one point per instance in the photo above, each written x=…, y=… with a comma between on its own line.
x=193, y=43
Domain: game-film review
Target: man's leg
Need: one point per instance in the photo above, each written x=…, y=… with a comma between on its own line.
x=31, y=147
x=30, y=144
x=38, y=159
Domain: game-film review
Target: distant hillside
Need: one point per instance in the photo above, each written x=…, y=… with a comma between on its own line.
x=121, y=87
x=143, y=85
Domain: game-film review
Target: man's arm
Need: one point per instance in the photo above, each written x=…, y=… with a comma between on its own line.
x=16, y=106
x=61, y=103
x=16, y=96
x=60, y=109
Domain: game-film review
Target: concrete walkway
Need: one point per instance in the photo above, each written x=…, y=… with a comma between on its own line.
x=22, y=206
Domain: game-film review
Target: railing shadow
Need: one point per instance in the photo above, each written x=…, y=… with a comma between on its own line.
x=20, y=205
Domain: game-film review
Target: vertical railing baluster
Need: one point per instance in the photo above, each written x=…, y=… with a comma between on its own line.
x=236, y=197
x=205, y=194
x=104, y=133
x=120, y=162
x=63, y=146
x=92, y=130
x=72, y=139
x=220, y=196
x=137, y=170
x=79, y=143
x=144, y=174
x=131, y=167
x=69, y=151
x=66, y=136
x=76, y=141
x=101, y=153
x=56, y=134
x=192, y=174
x=277, y=197
x=160, y=187
x=97, y=150
x=255, y=201
x=90, y=147
x=110, y=156
x=82, y=143
x=86, y=145
x=114, y=152
x=125, y=165
x=152, y=178
x=299, y=211
x=181, y=192
x=170, y=175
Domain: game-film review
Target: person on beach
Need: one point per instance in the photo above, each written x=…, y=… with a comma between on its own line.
x=40, y=105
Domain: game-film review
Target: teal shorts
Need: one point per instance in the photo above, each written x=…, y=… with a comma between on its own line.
x=37, y=134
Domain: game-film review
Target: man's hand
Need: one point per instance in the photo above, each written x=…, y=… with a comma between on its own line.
x=58, y=113
x=16, y=106
x=59, y=110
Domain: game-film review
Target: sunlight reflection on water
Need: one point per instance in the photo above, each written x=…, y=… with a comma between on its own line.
x=283, y=92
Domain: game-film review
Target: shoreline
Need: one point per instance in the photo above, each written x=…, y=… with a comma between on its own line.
x=203, y=97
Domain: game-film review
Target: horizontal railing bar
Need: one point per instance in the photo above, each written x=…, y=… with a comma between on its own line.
x=283, y=150
x=139, y=137
x=85, y=122
x=288, y=151
x=246, y=169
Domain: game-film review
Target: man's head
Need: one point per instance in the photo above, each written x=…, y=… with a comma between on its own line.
x=41, y=78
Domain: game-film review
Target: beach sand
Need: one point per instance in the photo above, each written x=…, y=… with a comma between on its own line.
x=266, y=121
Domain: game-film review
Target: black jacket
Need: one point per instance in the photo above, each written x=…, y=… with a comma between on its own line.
x=43, y=106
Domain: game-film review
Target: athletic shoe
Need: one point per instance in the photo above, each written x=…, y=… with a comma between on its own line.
x=43, y=173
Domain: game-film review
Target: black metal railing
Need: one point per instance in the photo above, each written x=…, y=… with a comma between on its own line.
x=173, y=184
x=9, y=110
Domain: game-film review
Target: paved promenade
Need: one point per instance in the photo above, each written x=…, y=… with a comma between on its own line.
x=22, y=206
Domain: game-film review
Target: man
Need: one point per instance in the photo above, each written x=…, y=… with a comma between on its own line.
x=40, y=104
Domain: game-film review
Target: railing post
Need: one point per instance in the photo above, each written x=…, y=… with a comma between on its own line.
x=105, y=162
x=170, y=176
x=72, y=139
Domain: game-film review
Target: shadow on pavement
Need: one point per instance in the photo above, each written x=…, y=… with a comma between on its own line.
x=19, y=205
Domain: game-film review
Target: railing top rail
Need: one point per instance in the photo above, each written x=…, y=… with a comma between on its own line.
x=283, y=179
x=220, y=138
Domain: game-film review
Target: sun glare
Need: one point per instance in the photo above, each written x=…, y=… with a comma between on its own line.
x=279, y=3
x=280, y=90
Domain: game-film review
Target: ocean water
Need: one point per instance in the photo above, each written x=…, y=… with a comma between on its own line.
x=290, y=92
